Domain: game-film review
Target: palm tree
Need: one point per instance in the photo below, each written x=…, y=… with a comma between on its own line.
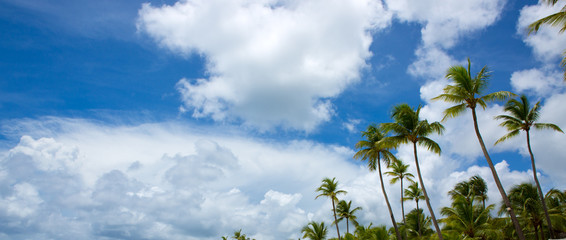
x=468, y=220
x=410, y=129
x=238, y=235
x=522, y=118
x=557, y=20
x=471, y=190
x=372, y=233
x=315, y=231
x=479, y=188
x=524, y=197
x=466, y=92
x=329, y=188
x=399, y=171
x=418, y=225
x=344, y=210
x=375, y=148
x=414, y=193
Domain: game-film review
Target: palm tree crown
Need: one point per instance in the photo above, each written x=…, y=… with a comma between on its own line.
x=315, y=231
x=522, y=118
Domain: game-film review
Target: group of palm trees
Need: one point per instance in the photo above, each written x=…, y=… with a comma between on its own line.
x=466, y=92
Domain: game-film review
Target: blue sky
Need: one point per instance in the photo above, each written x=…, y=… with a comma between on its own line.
x=192, y=119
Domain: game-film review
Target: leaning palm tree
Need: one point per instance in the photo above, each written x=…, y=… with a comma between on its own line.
x=414, y=193
x=329, y=188
x=557, y=20
x=345, y=211
x=466, y=92
x=522, y=118
x=374, y=148
x=410, y=129
x=315, y=231
x=400, y=171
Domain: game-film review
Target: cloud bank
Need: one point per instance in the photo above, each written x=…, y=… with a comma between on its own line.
x=87, y=180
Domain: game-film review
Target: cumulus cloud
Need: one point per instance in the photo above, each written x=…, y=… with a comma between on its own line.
x=270, y=63
x=541, y=82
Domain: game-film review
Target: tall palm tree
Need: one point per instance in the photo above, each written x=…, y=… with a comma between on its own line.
x=315, y=231
x=557, y=20
x=329, y=188
x=400, y=171
x=522, y=118
x=524, y=197
x=375, y=148
x=345, y=211
x=466, y=92
x=410, y=129
x=414, y=193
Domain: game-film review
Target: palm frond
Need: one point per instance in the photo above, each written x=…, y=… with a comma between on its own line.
x=556, y=20
x=547, y=126
x=507, y=136
x=454, y=111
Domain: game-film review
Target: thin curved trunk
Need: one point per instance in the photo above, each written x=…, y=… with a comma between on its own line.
x=518, y=229
x=425, y=194
x=387, y=199
x=402, y=204
x=347, y=226
x=335, y=219
x=538, y=187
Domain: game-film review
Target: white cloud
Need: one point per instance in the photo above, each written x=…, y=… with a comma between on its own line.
x=456, y=18
x=351, y=125
x=271, y=63
x=173, y=181
x=431, y=63
x=543, y=82
x=547, y=43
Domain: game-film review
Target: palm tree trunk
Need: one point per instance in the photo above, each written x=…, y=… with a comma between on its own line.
x=387, y=199
x=516, y=224
x=425, y=194
x=538, y=187
x=402, y=204
x=418, y=221
x=335, y=219
x=347, y=226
